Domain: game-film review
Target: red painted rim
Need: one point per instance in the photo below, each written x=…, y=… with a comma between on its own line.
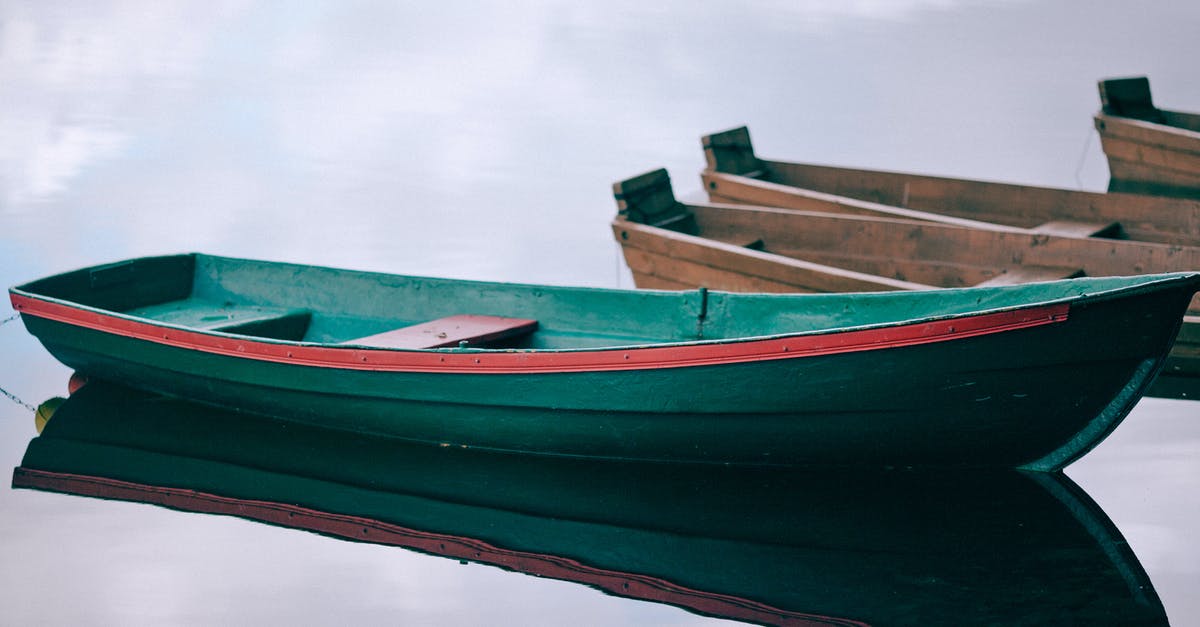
x=547, y=361
x=630, y=585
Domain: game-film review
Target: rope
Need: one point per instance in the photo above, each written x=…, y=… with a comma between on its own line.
x=618, y=264
x=9, y=319
x=1082, y=158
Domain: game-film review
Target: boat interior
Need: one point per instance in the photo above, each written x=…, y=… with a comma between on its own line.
x=296, y=303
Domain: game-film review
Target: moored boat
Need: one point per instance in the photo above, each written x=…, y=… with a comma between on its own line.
x=767, y=546
x=1150, y=150
x=670, y=244
x=735, y=174
x=1002, y=376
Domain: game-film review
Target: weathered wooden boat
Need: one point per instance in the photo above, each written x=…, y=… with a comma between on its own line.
x=674, y=245
x=768, y=546
x=1005, y=376
x=1150, y=150
x=735, y=174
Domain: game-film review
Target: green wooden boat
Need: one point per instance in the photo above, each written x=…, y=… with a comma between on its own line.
x=762, y=545
x=1029, y=376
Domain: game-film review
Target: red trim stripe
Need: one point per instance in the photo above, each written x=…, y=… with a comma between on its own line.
x=629, y=585
x=547, y=361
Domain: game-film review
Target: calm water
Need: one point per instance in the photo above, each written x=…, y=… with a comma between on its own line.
x=481, y=142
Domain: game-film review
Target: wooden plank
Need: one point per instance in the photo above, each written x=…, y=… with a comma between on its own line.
x=751, y=263
x=1146, y=218
x=1148, y=133
x=1072, y=228
x=1122, y=169
x=1139, y=178
x=1032, y=274
x=678, y=273
x=925, y=271
x=1152, y=155
x=450, y=331
x=733, y=188
x=651, y=282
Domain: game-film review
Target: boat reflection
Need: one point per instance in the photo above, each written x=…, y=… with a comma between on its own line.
x=761, y=545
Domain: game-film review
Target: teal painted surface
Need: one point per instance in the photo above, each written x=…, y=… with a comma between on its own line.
x=346, y=304
x=1016, y=398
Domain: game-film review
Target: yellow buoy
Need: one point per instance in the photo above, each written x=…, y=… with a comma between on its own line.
x=45, y=411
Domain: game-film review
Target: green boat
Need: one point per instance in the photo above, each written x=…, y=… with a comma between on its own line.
x=762, y=545
x=1029, y=376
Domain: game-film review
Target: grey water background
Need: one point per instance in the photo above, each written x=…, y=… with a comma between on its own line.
x=480, y=141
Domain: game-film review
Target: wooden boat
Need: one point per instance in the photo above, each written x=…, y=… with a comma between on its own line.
x=767, y=546
x=735, y=174
x=1149, y=150
x=1005, y=376
x=673, y=245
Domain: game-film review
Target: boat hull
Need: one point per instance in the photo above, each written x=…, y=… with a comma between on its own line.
x=1150, y=150
x=1149, y=158
x=1035, y=397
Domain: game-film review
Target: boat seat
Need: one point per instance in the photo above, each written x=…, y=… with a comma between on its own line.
x=271, y=322
x=250, y=320
x=1071, y=228
x=450, y=331
x=1031, y=274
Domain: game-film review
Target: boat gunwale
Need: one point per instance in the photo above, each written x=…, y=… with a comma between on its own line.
x=1159, y=127
x=507, y=361
x=671, y=354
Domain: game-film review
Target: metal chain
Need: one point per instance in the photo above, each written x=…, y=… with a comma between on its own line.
x=18, y=401
x=5, y=392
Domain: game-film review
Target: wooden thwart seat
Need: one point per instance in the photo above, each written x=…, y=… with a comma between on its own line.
x=1072, y=228
x=450, y=331
x=1032, y=274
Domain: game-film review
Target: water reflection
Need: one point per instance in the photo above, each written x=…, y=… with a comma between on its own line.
x=763, y=546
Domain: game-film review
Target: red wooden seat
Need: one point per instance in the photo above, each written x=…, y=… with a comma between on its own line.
x=450, y=331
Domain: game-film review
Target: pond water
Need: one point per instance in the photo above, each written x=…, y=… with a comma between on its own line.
x=481, y=142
